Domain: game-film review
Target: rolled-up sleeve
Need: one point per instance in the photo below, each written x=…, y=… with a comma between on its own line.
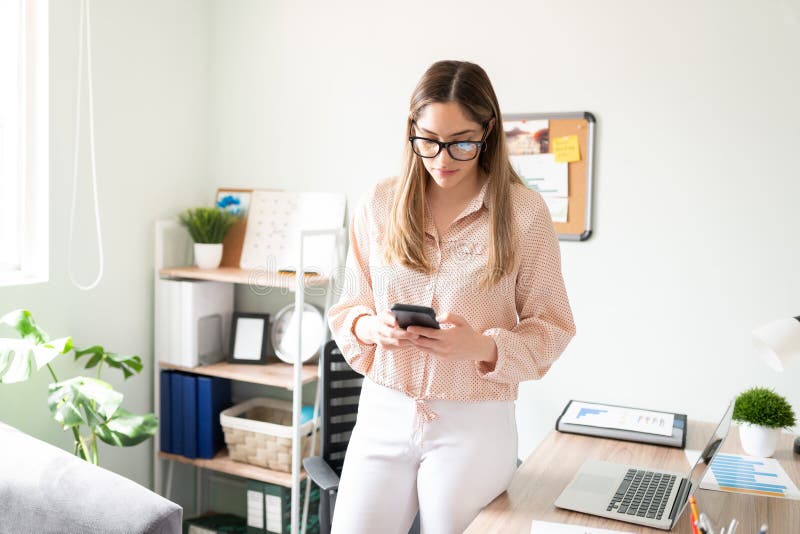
x=356, y=297
x=545, y=324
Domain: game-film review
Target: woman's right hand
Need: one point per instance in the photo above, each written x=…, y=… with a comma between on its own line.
x=383, y=330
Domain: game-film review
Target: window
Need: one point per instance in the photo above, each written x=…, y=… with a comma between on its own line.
x=24, y=150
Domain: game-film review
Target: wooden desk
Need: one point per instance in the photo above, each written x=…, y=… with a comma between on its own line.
x=540, y=480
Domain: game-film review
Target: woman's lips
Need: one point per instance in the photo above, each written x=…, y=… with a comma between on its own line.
x=445, y=172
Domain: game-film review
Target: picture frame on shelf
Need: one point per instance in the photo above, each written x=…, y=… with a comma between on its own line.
x=233, y=200
x=236, y=201
x=250, y=338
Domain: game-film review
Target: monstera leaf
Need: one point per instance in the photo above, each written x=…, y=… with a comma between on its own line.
x=129, y=365
x=126, y=429
x=83, y=400
x=22, y=321
x=19, y=358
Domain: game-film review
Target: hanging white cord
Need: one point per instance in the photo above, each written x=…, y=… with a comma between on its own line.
x=88, y=30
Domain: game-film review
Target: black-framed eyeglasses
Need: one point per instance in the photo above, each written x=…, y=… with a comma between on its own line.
x=458, y=150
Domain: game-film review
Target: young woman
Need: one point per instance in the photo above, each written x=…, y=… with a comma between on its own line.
x=458, y=231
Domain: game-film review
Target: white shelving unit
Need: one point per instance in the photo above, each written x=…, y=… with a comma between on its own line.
x=173, y=254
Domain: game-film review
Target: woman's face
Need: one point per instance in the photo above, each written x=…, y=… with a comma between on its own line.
x=446, y=122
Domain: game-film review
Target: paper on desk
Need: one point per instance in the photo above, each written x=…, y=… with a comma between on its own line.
x=542, y=173
x=604, y=416
x=737, y=473
x=544, y=527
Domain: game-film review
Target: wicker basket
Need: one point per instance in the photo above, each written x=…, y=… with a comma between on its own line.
x=259, y=432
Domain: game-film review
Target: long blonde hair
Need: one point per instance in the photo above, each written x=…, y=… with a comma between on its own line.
x=468, y=85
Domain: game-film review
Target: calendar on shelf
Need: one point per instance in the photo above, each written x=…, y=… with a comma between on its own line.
x=274, y=221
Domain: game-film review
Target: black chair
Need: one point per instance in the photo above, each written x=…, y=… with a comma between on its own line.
x=341, y=388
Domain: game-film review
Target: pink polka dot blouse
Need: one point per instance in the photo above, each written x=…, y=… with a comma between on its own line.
x=527, y=313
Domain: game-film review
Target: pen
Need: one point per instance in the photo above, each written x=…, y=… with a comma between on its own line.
x=705, y=524
x=695, y=515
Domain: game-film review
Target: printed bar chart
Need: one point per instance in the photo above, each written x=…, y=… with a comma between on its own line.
x=750, y=475
x=734, y=473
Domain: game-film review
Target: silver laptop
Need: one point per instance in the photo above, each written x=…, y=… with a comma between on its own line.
x=632, y=494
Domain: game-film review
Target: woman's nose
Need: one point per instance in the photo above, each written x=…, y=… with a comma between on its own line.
x=444, y=156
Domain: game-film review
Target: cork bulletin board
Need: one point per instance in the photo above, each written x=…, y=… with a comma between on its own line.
x=553, y=153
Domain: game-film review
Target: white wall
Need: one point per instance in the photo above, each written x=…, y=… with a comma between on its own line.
x=151, y=107
x=697, y=182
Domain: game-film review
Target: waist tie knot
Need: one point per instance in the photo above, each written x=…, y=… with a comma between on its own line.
x=424, y=411
x=424, y=415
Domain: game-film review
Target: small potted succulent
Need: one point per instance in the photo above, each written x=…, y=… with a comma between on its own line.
x=761, y=414
x=208, y=227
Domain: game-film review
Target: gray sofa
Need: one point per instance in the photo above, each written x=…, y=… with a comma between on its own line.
x=44, y=489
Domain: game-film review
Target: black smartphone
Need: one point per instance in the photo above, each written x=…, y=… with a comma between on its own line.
x=411, y=315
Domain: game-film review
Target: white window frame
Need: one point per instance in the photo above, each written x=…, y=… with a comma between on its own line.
x=33, y=198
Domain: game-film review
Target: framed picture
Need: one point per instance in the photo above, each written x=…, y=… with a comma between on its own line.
x=236, y=201
x=249, y=338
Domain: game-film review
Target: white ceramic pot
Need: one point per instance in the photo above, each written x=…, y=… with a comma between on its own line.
x=758, y=440
x=207, y=255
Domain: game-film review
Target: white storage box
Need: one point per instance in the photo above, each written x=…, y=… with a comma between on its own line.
x=259, y=432
x=193, y=321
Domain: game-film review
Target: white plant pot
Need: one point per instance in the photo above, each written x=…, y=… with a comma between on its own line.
x=758, y=440
x=207, y=255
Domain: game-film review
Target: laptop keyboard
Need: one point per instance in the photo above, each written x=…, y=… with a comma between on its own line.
x=642, y=493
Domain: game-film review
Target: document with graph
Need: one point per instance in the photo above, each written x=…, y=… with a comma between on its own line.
x=737, y=473
x=625, y=423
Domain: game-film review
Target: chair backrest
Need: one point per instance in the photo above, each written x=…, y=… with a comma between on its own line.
x=339, y=405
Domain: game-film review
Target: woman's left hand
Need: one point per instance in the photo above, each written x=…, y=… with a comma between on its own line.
x=458, y=342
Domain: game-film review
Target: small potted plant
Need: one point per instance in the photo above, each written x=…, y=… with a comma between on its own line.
x=208, y=227
x=761, y=414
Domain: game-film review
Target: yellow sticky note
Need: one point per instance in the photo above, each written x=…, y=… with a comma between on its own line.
x=566, y=149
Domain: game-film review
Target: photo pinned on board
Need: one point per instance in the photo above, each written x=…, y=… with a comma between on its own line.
x=527, y=137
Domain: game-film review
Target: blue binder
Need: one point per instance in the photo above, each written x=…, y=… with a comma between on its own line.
x=213, y=396
x=165, y=419
x=189, y=385
x=176, y=412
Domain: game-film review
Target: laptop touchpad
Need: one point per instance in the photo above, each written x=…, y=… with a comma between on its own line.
x=594, y=483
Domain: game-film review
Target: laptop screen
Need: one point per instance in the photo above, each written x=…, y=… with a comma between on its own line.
x=706, y=457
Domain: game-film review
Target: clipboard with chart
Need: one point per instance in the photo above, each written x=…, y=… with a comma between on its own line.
x=623, y=423
x=553, y=154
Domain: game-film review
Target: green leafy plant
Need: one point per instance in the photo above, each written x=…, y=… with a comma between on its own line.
x=763, y=407
x=207, y=225
x=77, y=401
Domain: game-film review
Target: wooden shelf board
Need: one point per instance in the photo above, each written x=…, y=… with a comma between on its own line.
x=254, y=277
x=271, y=374
x=222, y=462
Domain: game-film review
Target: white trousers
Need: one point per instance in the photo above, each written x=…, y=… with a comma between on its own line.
x=447, y=469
